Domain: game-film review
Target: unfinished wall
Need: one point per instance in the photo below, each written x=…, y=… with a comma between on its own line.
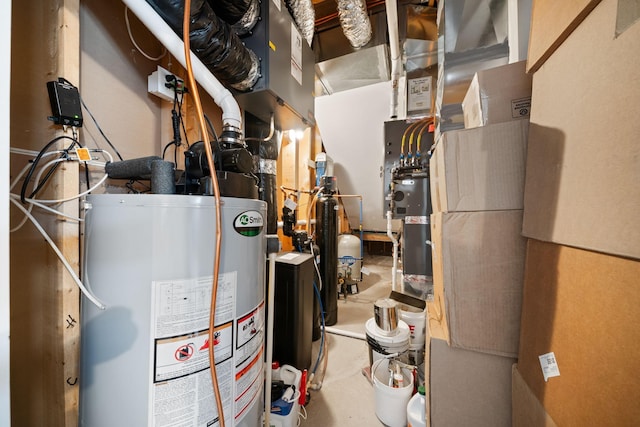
x=44, y=45
x=351, y=124
x=5, y=116
x=88, y=45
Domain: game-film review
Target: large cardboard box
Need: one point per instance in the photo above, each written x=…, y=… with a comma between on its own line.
x=466, y=388
x=479, y=169
x=551, y=23
x=584, y=307
x=478, y=269
x=498, y=95
x=526, y=409
x=583, y=165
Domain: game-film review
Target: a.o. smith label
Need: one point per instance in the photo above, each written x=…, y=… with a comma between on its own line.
x=249, y=223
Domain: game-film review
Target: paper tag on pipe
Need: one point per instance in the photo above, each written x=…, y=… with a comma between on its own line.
x=365, y=271
x=549, y=366
x=288, y=203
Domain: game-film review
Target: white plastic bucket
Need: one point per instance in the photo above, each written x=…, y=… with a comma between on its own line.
x=382, y=343
x=391, y=403
x=416, y=320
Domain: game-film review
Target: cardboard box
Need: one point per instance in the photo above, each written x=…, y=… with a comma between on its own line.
x=498, y=95
x=480, y=169
x=552, y=22
x=584, y=307
x=526, y=409
x=478, y=269
x=583, y=170
x=466, y=388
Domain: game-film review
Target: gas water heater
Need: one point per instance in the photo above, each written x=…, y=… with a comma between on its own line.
x=144, y=359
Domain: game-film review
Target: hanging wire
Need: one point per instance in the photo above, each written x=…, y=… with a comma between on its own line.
x=143, y=53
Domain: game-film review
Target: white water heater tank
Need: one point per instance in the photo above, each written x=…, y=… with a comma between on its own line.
x=144, y=359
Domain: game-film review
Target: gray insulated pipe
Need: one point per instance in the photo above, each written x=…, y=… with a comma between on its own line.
x=355, y=22
x=304, y=16
x=213, y=42
x=242, y=15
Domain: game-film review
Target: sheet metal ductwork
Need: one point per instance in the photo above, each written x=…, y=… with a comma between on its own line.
x=304, y=16
x=242, y=15
x=214, y=42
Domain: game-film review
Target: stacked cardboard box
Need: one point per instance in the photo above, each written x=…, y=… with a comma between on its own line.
x=477, y=180
x=498, y=95
x=579, y=344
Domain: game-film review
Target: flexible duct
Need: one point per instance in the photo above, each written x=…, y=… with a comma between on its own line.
x=242, y=15
x=231, y=115
x=213, y=42
x=304, y=16
x=355, y=22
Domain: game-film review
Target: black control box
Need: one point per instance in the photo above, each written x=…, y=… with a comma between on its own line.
x=65, y=104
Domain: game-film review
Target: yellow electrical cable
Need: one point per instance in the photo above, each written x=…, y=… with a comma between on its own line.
x=404, y=136
x=216, y=193
x=428, y=123
x=412, y=133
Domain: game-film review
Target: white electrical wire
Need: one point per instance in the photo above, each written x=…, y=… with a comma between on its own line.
x=40, y=203
x=45, y=207
x=27, y=167
x=149, y=57
x=64, y=261
x=36, y=182
x=102, y=180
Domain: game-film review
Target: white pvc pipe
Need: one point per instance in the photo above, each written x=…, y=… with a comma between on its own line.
x=271, y=289
x=395, y=251
x=349, y=334
x=394, y=53
x=168, y=38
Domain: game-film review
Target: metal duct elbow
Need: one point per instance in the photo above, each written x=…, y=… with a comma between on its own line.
x=355, y=22
x=242, y=15
x=213, y=42
x=304, y=16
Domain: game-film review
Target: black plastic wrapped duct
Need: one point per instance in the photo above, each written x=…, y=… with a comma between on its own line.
x=242, y=15
x=213, y=41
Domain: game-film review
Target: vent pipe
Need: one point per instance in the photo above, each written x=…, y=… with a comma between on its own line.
x=168, y=38
x=394, y=53
x=355, y=21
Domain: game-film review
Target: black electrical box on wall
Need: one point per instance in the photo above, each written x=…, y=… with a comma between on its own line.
x=65, y=104
x=293, y=309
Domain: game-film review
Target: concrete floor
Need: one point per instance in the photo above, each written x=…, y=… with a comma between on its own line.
x=346, y=397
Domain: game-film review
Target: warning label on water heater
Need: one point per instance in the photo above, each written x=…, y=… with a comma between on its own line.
x=180, y=391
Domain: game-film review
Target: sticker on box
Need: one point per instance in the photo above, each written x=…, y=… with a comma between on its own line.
x=549, y=366
x=520, y=107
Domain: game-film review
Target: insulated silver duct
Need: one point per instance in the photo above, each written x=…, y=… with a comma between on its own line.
x=355, y=21
x=304, y=16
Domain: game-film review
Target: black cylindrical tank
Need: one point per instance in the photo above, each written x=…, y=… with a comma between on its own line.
x=327, y=240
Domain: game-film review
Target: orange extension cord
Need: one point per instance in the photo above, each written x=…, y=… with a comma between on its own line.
x=216, y=192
